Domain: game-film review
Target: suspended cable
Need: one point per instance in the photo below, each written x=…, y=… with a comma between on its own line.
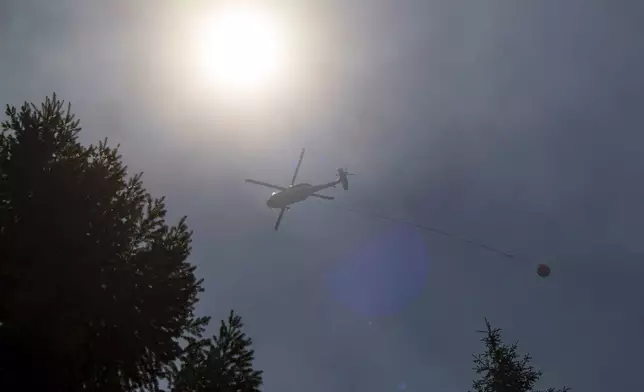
x=543, y=270
x=422, y=227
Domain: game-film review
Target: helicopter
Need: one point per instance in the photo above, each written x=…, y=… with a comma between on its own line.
x=295, y=193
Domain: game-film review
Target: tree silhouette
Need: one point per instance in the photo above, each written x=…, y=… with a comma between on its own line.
x=501, y=369
x=220, y=364
x=95, y=290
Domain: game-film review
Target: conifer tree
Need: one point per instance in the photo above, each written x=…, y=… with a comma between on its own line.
x=220, y=364
x=96, y=293
x=501, y=369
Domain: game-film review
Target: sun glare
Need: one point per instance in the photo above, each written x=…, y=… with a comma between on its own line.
x=242, y=49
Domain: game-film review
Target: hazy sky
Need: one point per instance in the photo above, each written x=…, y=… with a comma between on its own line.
x=515, y=123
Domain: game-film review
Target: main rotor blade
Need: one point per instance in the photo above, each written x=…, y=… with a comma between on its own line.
x=266, y=184
x=297, y=168
x=323, y=196
x=279, y=218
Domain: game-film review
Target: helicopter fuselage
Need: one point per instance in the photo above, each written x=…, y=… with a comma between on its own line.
x=295, y=194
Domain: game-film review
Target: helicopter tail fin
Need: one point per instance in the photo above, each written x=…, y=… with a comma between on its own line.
x=343, y=178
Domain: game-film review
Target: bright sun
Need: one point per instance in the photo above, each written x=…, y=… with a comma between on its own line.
x=242, y=49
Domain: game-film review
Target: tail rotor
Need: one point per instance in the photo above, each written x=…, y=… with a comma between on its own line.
x=343, y=175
